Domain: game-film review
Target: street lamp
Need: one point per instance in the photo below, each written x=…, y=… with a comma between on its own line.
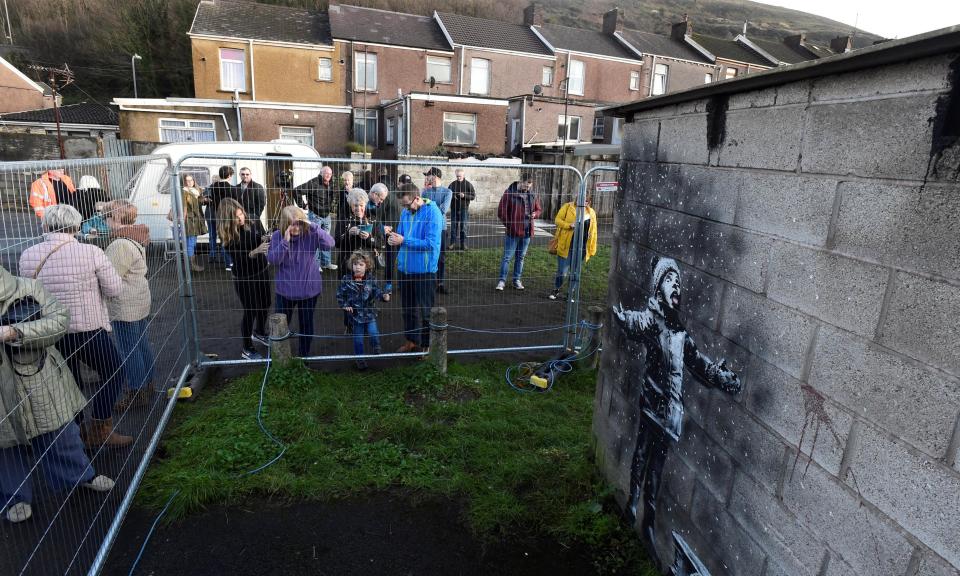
x=133, y=64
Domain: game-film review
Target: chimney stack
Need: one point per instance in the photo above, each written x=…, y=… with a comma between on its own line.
x=533, y=15
x=795, y=41
x=613, y=21
x=681, y=29
x=842, y=44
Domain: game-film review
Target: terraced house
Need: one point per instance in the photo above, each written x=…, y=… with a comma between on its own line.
x=402, y=84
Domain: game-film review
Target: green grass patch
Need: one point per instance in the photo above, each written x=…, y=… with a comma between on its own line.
x=485, y=263
x=520, y=464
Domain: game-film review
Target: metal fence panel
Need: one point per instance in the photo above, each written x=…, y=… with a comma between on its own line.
x=71, y=521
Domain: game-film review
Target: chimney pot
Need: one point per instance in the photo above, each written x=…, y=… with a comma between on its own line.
x=681, y=29
x=795, y=41
x=613, y=21
x=533, y=15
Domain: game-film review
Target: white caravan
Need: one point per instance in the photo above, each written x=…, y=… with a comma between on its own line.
x=150, y=188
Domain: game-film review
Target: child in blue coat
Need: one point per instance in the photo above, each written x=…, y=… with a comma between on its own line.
x=357, y=295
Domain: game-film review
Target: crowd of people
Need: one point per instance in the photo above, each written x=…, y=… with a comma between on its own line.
x=90, y=303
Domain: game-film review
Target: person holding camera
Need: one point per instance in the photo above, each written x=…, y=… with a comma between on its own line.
x=38, y=400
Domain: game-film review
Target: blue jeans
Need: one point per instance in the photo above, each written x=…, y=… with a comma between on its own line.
x=97, y=350
x=135, y=350
x=562, y=265
x=370, y=329
x=416, y=299
x=516, y=248
x=459, y=219
x=323, y=256
x=216, y=250
x=305, y=310
x=64, y=465
x=191, y=246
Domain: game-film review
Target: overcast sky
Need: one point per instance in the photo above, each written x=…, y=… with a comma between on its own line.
x=891, y=19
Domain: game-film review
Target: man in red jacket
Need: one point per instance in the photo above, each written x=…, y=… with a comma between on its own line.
x=518, y=208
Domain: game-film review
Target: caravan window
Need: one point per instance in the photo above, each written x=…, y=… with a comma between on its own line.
x=201, y=175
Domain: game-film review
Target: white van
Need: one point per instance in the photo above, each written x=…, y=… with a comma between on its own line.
x=150, y=188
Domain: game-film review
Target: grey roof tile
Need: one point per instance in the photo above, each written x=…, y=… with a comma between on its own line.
x=730, y=50
x=382, y=27
x=83, y=113
x=494, y=34
x=585, y=41
x=783, y=52
x=660, y=45
x=250, y=20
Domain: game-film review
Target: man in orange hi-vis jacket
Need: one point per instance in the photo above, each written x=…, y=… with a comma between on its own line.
x=46, y=189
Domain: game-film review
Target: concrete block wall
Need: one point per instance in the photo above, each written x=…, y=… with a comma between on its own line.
x=817, y=226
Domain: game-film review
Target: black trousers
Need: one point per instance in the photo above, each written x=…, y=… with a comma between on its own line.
x=645, y=472
x=416, y=297
x=255, y=297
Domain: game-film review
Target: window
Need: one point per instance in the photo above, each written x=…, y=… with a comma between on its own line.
x=707, y=78
x=233, y=70
x=575, y=78
x=172, y=130
x=459, y=128
x=660, y=72
x=730, y=73
x=439, y=69
x=325, y=70
x=365, y=126
x=572, y=131
x=616, y=135
x=479, y=76
x=547, y=76
x=634, y=80
x=598, y=128
x=302, y=134
x=391, y=128
x=365, y=72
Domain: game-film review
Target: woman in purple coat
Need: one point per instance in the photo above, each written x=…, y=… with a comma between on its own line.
x=293, y=252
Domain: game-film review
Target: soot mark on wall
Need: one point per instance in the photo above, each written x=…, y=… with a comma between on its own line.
x=946, y=123
x=717, y=120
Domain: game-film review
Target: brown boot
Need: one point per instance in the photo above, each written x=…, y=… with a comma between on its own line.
x=100, y=433
x=195, y=265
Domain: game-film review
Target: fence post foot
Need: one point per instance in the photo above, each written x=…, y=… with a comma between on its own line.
x=438, y=339
x=595, y=318
x=279, y=342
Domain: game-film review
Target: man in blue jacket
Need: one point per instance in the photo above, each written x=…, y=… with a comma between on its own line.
x=441, y=196
x=418, y=238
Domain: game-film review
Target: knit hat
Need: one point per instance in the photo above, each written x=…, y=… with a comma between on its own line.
x=660, y=267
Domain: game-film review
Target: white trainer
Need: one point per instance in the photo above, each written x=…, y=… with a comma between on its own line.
x=518, y=285
x=500, y=285
x=331, y=266
x=99, y=484
x=19, y=512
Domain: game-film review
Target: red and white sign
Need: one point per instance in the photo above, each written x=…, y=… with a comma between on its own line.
x=602, y=187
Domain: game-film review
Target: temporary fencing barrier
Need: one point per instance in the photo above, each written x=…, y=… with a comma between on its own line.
x=195, y=315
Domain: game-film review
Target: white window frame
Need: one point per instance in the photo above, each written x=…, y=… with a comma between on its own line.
x=546, y=76
x=707, y=78
x=459, y=118
x=372, y=114
x=325, y=69
x=305, y=135
x=365, y=61
x=242, y=62
x=730, y=72
x=388, y=137
x=634, y=80
x=576, y=82
x=661, y=75
x=579, y=122
x=474, y=76
x=443, y=63
x=598, y=127
x=188, y=125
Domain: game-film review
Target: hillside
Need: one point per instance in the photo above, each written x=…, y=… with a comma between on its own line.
x=97, y=37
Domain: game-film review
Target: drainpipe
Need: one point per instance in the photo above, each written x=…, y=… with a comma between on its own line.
x=236, y=106
x=253, y=77
x=653, y=72
x=409, y=135
x=463, y=64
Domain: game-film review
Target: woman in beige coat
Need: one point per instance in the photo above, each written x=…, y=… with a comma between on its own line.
x=38, y=401
x=81, y=277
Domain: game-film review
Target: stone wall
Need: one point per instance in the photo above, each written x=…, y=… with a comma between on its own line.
x=817, y=228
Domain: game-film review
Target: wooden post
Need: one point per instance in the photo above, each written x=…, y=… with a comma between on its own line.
x=279, y=344
x=438, y=339
x=595, y=318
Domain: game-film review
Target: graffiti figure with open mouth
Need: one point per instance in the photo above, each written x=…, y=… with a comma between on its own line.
x=669, y=348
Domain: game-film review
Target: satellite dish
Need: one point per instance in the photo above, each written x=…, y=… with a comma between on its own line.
x=433, y=82
x=538, y=90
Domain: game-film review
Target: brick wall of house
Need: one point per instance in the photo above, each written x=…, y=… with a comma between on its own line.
x=427, y=127
x=815, y=224
x=331, y=130
x=18, y=96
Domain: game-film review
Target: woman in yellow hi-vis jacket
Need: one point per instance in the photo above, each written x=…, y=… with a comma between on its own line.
x=566, y=222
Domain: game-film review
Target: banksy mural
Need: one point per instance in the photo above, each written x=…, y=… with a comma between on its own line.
x=669, y=348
